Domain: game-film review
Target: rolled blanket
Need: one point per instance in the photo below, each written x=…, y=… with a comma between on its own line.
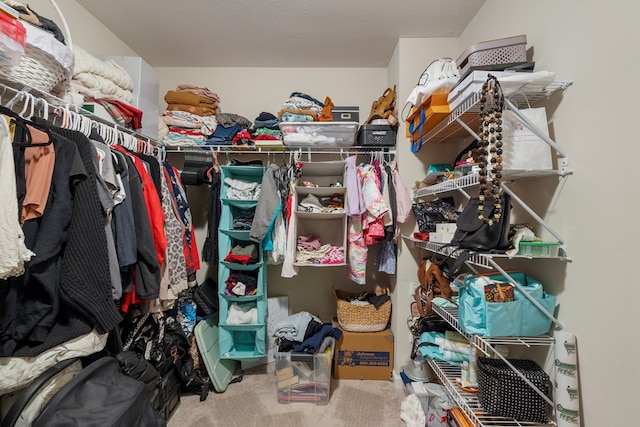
x=87, y=63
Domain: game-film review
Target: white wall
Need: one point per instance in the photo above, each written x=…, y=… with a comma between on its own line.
x=86, y=31
x=581, y=41
x=249, y=91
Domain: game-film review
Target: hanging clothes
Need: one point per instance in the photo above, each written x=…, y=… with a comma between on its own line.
x=210, y=247
x=13, y=251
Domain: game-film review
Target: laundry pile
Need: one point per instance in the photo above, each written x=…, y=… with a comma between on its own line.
x=304, y=332
x=242, y=283
x=332, y=204
x=265, y=131
x=243, y=253
x=309, y=250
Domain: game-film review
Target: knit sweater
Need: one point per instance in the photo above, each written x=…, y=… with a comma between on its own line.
x=85, y=282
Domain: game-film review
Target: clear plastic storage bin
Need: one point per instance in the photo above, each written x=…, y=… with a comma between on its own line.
x=304, y=377
x=319, y=134
x=539, y=249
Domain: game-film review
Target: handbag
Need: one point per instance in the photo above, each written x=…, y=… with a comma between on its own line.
x=428, y=214
x=439, y=77
x=477, y=235
x=502, y=392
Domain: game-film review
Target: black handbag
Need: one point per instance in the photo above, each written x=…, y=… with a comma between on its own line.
x=502, y=392
x=428, y=214
x=477, y=235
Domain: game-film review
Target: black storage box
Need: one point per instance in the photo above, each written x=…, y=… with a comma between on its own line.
x=345, y=114
x=377, y=135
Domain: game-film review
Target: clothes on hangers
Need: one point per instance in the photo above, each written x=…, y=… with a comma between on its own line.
x=13, y=251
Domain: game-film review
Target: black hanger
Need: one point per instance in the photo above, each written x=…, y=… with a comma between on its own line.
x=21, y=123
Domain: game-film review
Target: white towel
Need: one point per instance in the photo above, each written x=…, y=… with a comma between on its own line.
x=242, y=315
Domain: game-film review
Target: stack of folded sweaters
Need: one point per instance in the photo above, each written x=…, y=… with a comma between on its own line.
x=190, y=117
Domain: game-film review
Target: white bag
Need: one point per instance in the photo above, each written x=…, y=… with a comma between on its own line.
x=523, y=149
x=439, y=77
x=439, y=405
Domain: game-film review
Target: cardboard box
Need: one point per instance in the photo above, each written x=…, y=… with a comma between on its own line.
x=431, y=112
x=364, y=355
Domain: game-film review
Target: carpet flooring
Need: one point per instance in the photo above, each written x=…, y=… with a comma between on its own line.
x=253, y=402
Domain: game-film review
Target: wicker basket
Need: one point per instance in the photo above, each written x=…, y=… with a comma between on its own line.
x=357, y=318
x=45, y=64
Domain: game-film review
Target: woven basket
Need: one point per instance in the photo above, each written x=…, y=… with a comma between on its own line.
x=357, y=318
x=37, y=69
x=42, y=65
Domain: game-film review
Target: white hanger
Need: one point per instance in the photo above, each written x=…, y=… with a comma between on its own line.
x=29, y=101
x=44, y=108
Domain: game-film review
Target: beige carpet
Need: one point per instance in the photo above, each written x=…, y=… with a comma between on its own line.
x=253, y=403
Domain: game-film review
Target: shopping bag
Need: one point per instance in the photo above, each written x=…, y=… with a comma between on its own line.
x=522, y=148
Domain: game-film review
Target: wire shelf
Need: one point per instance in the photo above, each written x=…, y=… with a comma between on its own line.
x=474, y=179
x=468, y=402
x=230, y=149
x=468, y=112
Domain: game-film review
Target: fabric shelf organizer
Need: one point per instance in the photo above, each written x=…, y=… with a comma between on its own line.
x=242, y=326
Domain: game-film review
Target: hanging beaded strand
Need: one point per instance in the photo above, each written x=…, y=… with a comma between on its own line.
x=490, y=158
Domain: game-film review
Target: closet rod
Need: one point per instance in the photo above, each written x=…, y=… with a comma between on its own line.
x=208, y=149
x=11, y=90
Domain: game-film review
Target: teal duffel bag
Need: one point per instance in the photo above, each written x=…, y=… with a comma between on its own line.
x=500, y=319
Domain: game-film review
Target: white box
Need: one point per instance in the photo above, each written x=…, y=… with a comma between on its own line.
x=446, y=227
x=470, y=85
x=440, y=237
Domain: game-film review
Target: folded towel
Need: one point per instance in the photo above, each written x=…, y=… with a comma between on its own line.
x=242, y=314
x=201, y=91
x=173, y=97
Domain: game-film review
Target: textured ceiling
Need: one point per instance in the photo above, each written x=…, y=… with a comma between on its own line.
x=277, y=33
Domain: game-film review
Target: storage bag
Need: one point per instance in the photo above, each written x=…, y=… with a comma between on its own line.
x=502, y=392
x=498, y=319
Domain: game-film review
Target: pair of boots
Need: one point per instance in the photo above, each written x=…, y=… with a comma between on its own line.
x=385, y=107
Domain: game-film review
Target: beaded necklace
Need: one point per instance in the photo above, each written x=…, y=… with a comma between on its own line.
x=490, y=148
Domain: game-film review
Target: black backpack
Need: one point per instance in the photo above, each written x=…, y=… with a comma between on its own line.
x=100, y=395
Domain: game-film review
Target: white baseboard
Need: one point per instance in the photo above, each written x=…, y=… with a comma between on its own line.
x=397, y=380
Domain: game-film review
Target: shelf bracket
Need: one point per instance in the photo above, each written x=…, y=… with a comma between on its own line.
x=467, y=128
